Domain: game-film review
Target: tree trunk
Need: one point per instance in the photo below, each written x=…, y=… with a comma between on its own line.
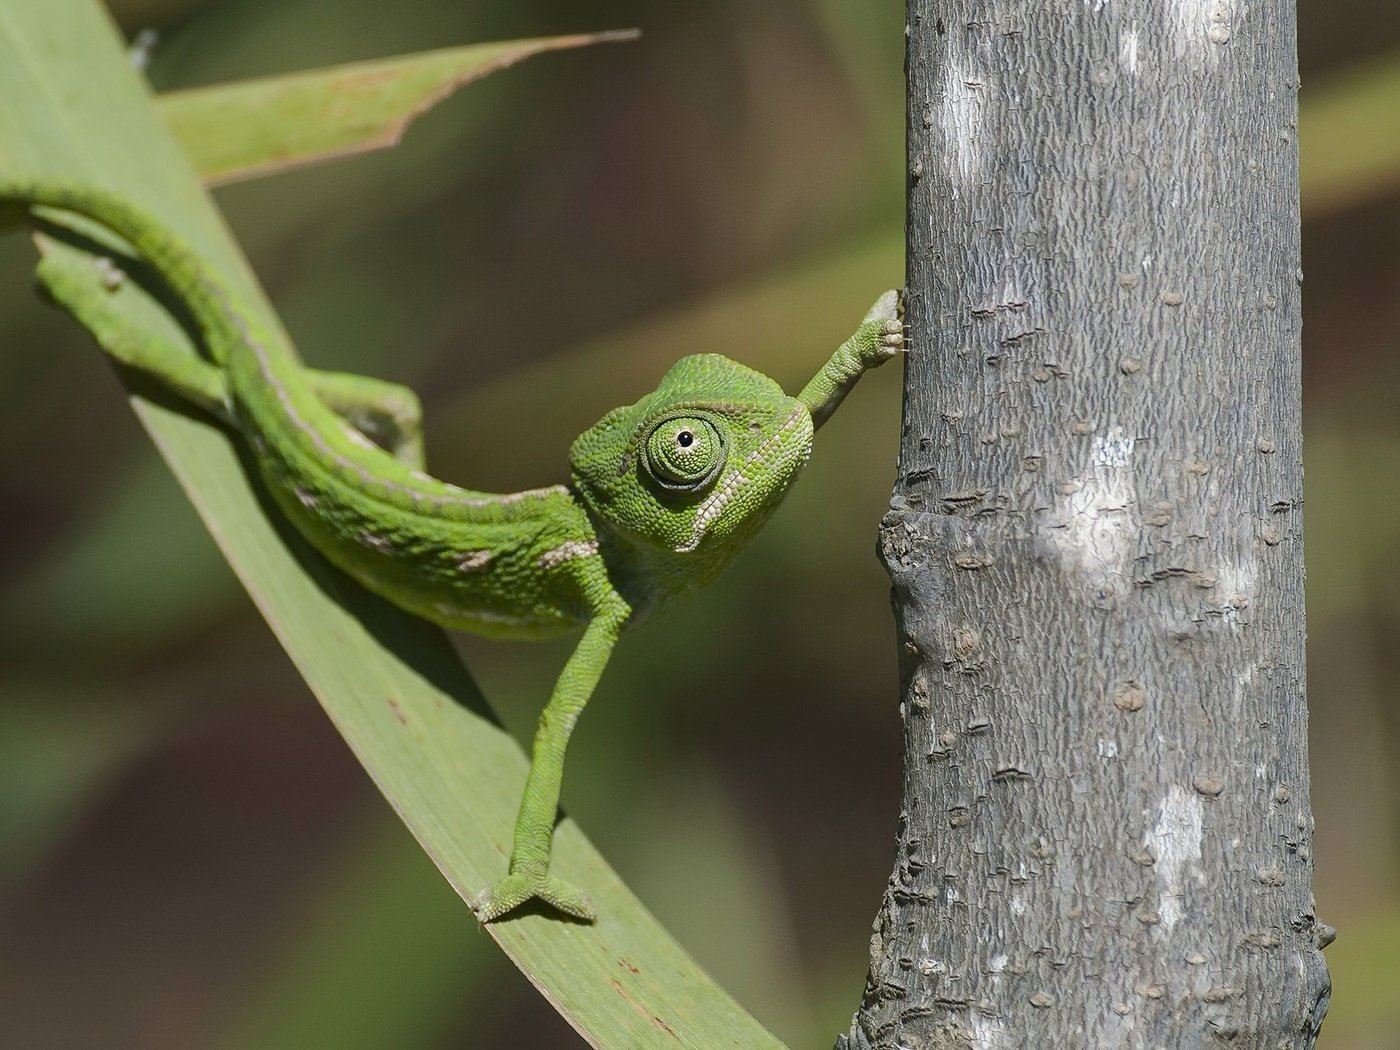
x=1096, y=538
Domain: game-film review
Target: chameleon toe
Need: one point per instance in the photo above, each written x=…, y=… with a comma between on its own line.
x=563, y=897
x=891, y=339
x=515, y=890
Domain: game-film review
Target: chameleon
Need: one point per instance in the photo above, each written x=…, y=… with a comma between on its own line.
x=663, y=493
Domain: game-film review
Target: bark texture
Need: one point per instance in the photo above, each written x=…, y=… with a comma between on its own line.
x=1096, y=539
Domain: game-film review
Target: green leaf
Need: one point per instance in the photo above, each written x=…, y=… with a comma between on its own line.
x=393, y=685
x=248, y=128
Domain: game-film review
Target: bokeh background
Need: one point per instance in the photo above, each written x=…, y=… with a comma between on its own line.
x=190, y=857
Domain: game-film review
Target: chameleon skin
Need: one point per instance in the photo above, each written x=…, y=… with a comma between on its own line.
x=664, y=493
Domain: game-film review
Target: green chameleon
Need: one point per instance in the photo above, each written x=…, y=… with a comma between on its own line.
x=664, y=493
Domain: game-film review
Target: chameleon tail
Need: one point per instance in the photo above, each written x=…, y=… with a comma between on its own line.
x=174, y=260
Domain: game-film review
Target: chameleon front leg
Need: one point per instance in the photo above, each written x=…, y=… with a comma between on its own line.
x=879, y=338
x=534, y=824
x=385, y=412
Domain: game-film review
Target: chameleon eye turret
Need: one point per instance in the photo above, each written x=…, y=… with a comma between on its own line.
x=665, y=492
x=685, y=453
x=684, y=478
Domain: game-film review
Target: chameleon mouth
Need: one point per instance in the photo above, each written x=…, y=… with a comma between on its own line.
x=735, y=483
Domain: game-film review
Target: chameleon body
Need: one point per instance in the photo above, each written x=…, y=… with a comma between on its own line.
x=663, y=493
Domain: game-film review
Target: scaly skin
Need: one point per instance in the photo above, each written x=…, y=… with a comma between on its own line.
x=664, y=492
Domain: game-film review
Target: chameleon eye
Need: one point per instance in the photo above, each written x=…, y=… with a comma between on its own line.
x=684, y=452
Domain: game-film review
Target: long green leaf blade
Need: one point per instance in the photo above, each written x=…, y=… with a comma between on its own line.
x=249, y=128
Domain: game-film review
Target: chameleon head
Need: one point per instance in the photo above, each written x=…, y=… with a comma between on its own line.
x=697, y=465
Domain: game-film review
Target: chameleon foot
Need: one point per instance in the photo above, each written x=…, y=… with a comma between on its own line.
x=890, y=333
x=881, y=335
x=515, y=889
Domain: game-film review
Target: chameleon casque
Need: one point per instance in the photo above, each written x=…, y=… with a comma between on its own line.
x=663, y=494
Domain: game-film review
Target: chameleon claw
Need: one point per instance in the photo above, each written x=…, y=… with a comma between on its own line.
x=515, y=889
x=892, y=338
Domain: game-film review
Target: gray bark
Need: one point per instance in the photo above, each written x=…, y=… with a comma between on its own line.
x=1096, y=539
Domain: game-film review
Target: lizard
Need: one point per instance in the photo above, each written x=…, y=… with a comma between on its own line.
x=663, y=493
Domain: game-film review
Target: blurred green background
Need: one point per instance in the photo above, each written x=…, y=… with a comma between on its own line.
x=190, y=857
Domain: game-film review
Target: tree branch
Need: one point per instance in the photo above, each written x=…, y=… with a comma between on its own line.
x=1096, y=538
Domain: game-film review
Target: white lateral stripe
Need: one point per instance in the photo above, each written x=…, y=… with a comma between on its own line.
x=713, y=507
x=567, y=551
x=475, y=561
